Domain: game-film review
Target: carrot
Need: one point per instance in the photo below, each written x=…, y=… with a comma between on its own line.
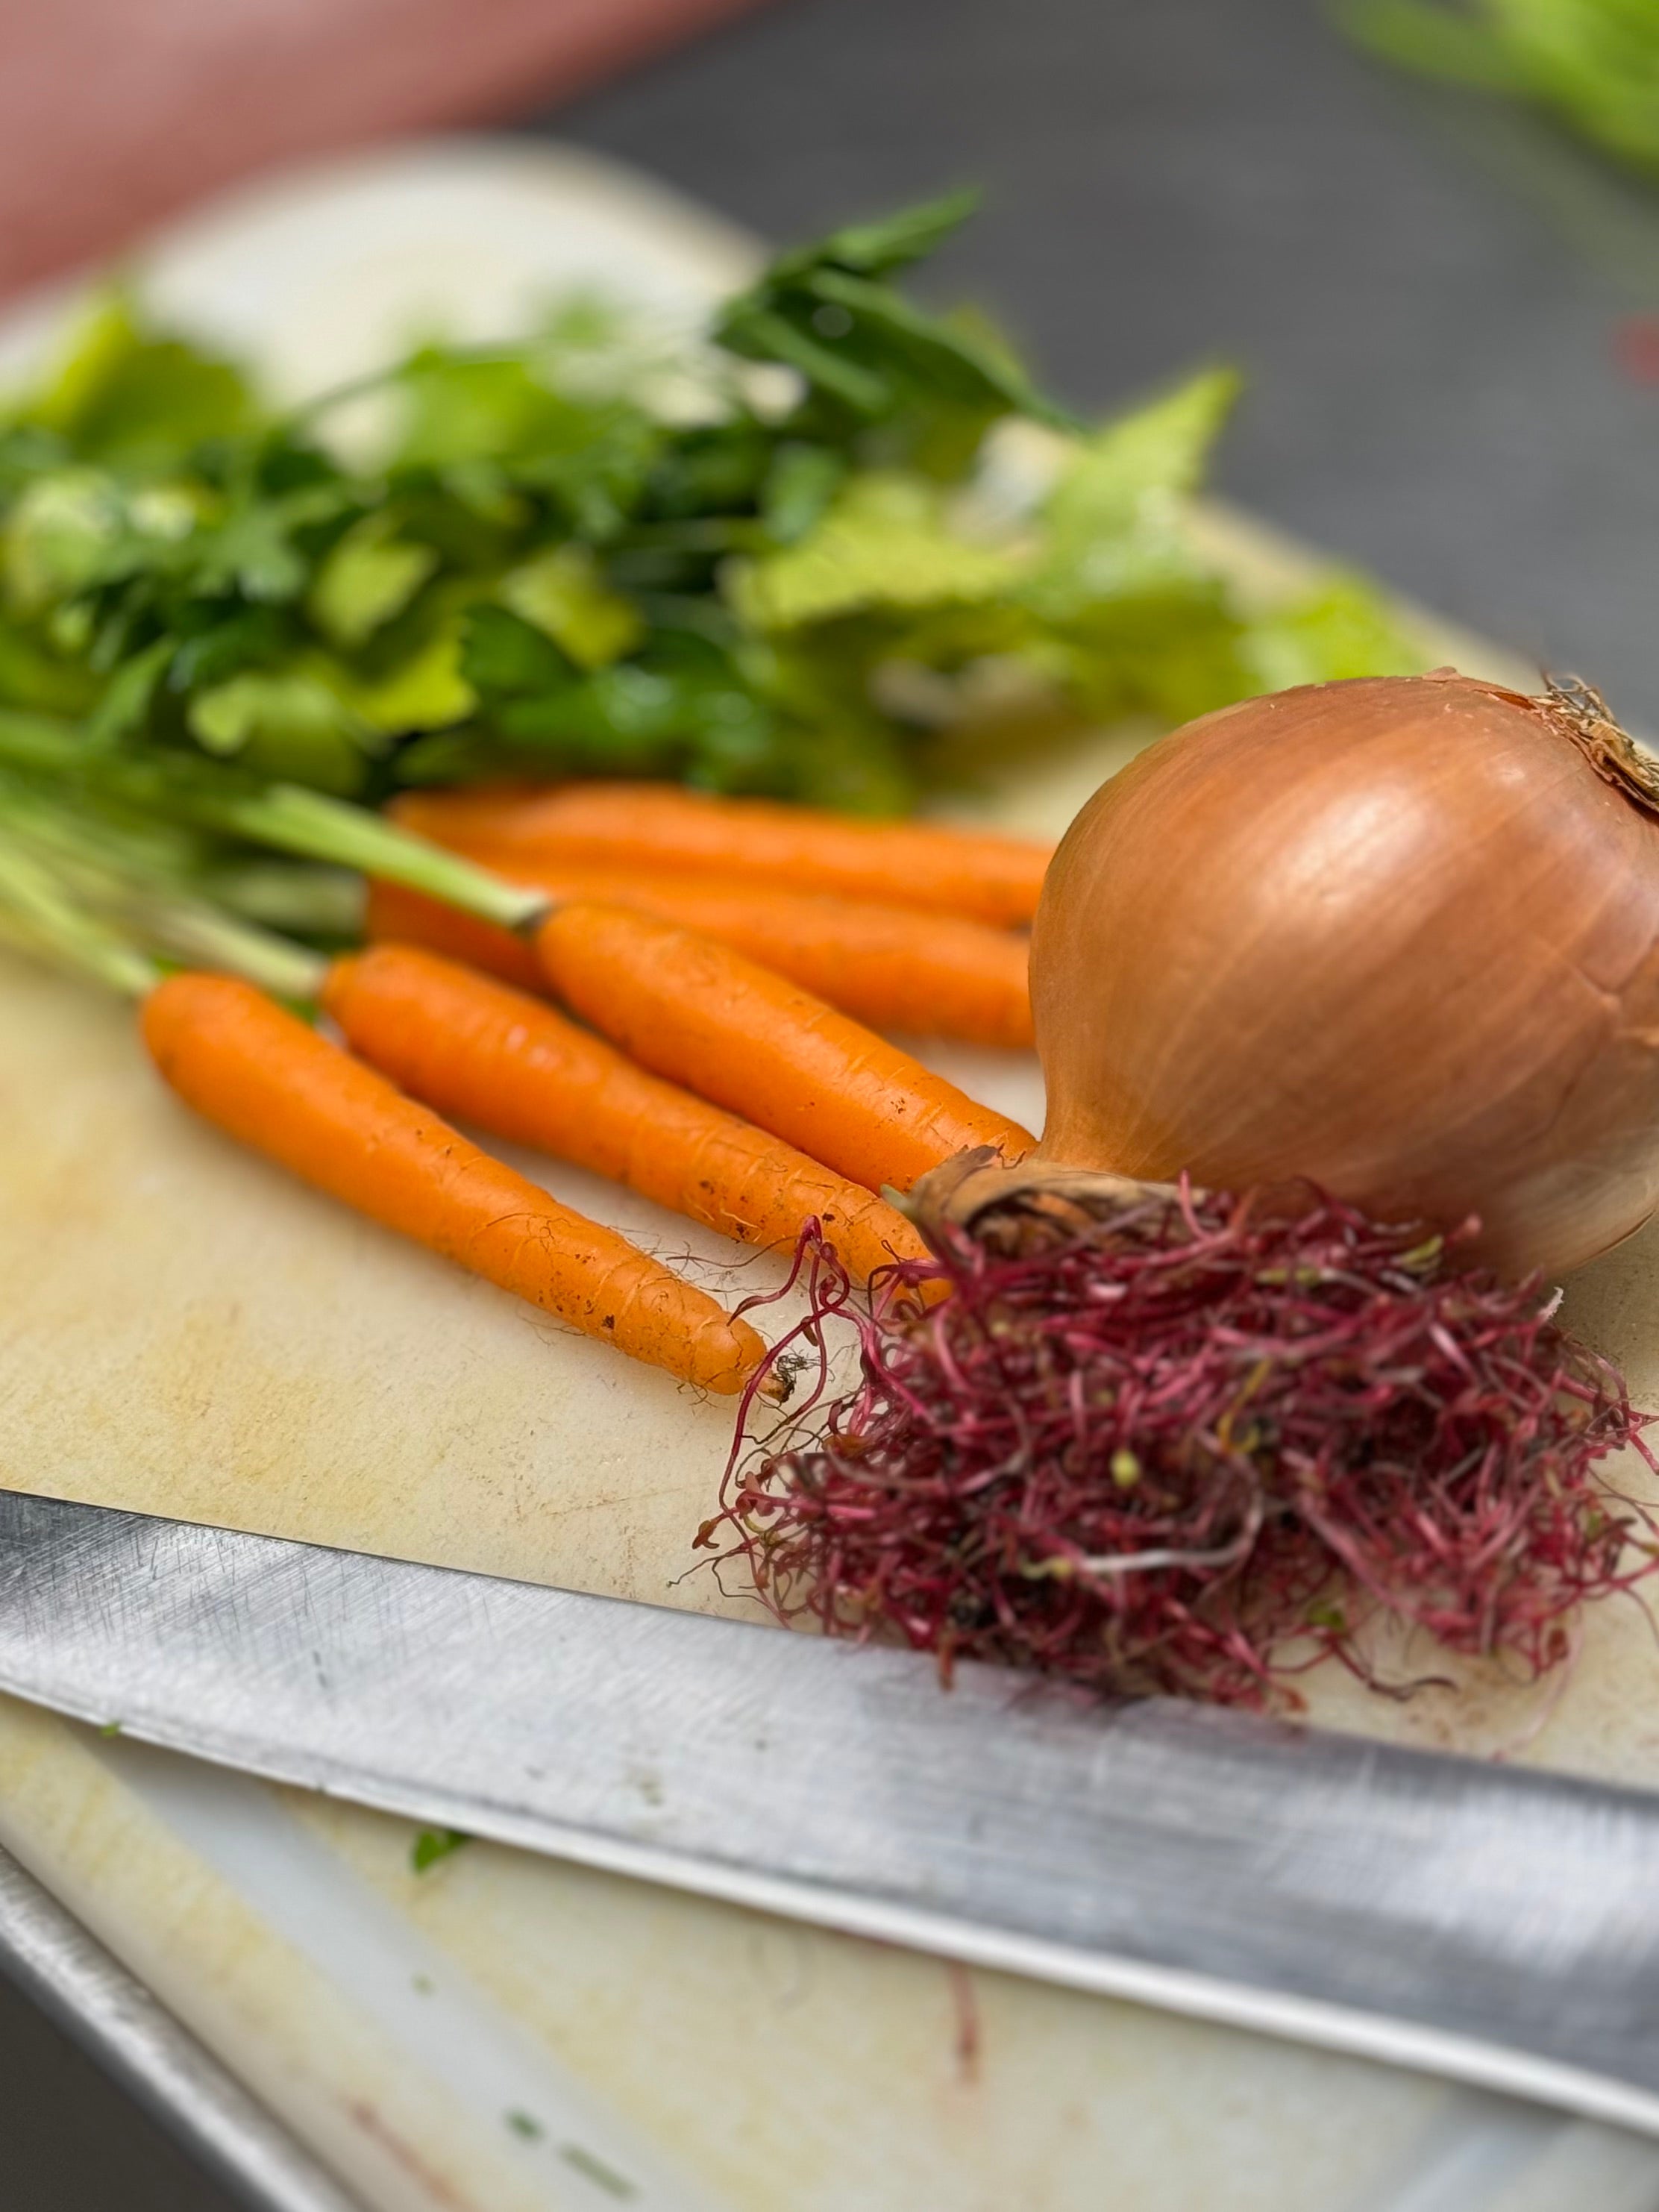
x=933, y=974
x=263, y=1077
x=396, y=916
x=475, y=1049
x=732, y=1031
x=655, y=826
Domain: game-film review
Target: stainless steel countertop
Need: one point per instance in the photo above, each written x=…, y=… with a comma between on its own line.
x=52, y=1958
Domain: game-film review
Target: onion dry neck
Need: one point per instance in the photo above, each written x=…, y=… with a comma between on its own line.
x=1579, y=709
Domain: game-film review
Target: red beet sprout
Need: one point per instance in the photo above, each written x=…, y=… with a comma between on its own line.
x=1155, y=1440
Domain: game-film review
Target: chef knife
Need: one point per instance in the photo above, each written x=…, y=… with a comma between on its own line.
x=1491, y=1924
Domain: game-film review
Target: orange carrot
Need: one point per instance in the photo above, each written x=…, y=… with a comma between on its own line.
x=263, y=1077
x=732, y=1031
x=396, y=916
x=653, y=826
x=933, y=974
x=485, y=1054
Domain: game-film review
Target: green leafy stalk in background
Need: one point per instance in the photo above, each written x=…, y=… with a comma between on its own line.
x=791, y=577
x=1593, y=64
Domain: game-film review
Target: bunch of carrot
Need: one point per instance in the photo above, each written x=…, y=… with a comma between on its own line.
x=716, y=1086
x=903, y=926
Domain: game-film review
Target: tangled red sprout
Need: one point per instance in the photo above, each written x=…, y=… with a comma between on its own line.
x=1168, y=1441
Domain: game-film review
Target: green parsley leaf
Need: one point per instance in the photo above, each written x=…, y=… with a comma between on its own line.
x=427, y=691
x=59, y=535
x=1342, y=630
x=1119, y=494
x=884, y=543
x=502, y=656
x=251, y=551
x=122, y=710
x=369, y=576
x=284, y=723
x=799, y=486
x=561, y=593
x=133, y=400
x=35, y=673
x=876, y=249
x=458, y=410
x=826, y=312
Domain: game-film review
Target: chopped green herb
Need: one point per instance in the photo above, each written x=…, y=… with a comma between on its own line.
x=433, y=1844
x=523, y=2124
x=112, y=1727
x=596, y=2171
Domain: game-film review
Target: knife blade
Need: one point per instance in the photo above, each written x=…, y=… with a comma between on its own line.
x=1491, y=1924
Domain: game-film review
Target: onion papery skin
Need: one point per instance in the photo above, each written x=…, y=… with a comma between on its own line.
x=1398, y=936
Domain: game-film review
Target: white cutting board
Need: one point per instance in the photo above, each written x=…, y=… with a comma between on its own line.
x=184, y=1331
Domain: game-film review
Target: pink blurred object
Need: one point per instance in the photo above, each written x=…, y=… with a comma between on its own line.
x=1636, y=348
x=116, y=113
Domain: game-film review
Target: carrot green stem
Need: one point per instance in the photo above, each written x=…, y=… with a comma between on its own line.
x=292, y=819
x=85, y=874
x=39, y=915
x=286, y=817
x=203, y=936
x=307, y=899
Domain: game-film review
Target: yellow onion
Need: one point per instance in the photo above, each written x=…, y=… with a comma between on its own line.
x=1398, y=936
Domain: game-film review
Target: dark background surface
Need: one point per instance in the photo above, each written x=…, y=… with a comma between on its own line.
x=71, y=2143
x=1424, y=296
